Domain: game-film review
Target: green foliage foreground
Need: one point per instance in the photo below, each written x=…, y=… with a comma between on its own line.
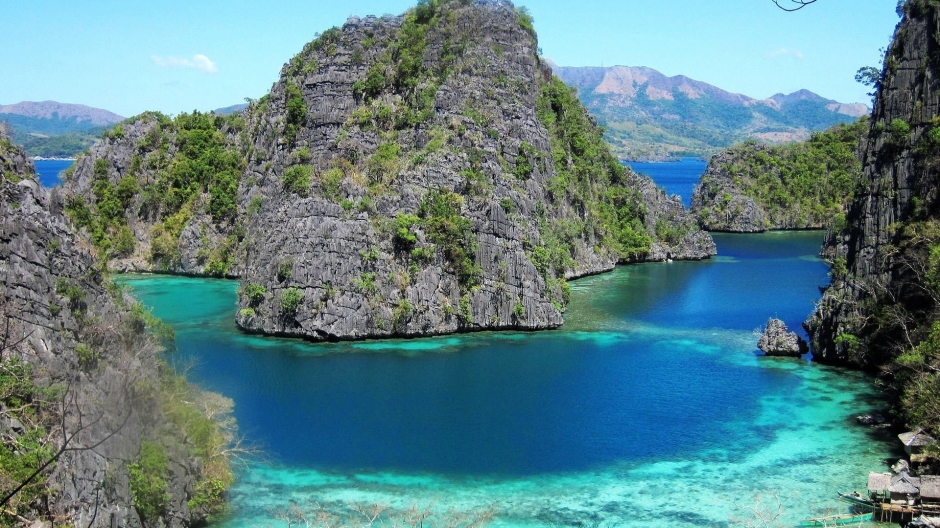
x=21, y=455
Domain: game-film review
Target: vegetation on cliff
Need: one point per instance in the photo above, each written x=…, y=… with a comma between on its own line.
x=174, y=169
x=87, y=405
x=587, y=175
x=753, y=187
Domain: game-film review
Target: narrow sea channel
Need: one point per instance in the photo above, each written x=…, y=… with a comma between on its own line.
x=650, y=407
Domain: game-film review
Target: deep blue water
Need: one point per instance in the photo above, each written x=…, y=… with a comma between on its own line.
x=654, y=383
x=677, y=177
x=48, y=171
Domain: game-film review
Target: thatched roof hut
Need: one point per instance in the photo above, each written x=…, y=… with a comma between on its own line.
x=878, y=486
x=930, y=488
x=915, y=441
x=879, y=481
x=904, y=486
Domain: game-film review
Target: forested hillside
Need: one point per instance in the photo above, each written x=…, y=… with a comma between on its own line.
x=807, y=185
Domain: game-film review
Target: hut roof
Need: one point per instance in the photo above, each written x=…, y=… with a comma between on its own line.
x=879, y=481
x=930, y=486
x=926, y=522
x=917, y=438
x=905, y=484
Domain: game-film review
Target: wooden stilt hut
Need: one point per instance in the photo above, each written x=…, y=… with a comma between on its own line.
x=930, y=495
x=879, y=485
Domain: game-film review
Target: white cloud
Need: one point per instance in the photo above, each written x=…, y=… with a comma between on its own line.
x=785, y=52
x=198, y=62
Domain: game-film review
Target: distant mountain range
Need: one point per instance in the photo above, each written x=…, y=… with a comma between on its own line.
x=231, y=109
x=50, y=128
x=649, y=115
x=55, y=111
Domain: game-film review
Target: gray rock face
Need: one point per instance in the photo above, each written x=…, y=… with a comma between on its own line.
x=323, y=261
x=334, y=251
x=720, y=203
x=777, y=340
x=685, y=241
x=45, y=324
x=899, y=185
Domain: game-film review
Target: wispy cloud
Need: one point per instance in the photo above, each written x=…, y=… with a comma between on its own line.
x=785, y=52
x=198, y=62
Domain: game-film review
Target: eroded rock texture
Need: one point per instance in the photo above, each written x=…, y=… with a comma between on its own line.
x=878, y=275
x=59, y=315
x=410, y=175
x=777, y=340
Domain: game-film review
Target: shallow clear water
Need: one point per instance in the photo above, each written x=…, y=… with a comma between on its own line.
x=49, y=170
x=677, y=177
x=651, y=406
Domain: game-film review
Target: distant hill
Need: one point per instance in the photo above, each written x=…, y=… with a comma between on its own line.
x=231, y=109
x=50, y=128
x=649, y=115
x=55, y=111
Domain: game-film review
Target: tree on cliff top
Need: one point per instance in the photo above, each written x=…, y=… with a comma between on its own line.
x=794, y=5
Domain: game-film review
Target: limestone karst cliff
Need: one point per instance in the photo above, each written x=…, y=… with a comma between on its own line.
x=409, y=175
x=80, y=376
x=881, y=308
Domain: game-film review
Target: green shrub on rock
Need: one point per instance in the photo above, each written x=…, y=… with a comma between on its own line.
x=290, y=300
x=297, y=179
x=148, y=481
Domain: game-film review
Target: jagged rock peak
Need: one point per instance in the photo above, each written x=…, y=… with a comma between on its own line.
x=14, y=165
x=409, y=175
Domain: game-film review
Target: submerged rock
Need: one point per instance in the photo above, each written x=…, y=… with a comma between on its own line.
x=778, y=341
x=873, y=419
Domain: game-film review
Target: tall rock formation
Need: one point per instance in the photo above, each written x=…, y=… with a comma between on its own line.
x=410, y=175
x=752, y=187
x=79, y=374
x=881, y=294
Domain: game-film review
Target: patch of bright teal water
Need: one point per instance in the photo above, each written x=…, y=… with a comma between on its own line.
x=650, y=407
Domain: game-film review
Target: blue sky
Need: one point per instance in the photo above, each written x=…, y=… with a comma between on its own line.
x=173, y=56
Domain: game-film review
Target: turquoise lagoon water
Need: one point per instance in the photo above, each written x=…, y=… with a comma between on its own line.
x=650, y=407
